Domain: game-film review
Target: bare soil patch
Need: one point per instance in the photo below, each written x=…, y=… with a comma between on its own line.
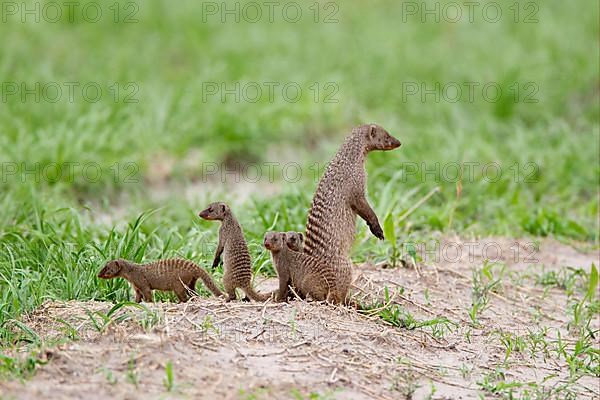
x=274, y=351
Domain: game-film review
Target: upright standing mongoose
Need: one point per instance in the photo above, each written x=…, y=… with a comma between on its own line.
x=340, y=196
x=237, y=265
x=295, y=240
x=173, y=274
x=306, y=274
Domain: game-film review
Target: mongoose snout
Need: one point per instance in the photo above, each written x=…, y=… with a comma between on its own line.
x=215, y=211
x=274, y=240
x=110, y=270
x=393, y=143
x=204, y=214
x=380, y=139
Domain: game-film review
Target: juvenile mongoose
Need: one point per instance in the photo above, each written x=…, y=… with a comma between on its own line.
x=340, y=195
x=237, y=267
x=173, y=274
x=307, y=275
x=294, y=240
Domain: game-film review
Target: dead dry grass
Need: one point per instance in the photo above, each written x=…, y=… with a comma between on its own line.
x=274, y=351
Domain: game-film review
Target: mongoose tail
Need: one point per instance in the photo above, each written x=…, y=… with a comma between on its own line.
x=209, y=283
x=254, y=295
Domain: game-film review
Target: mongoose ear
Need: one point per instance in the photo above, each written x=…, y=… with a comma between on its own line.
x=372, y=130
x=301, y=235
x=222, y=207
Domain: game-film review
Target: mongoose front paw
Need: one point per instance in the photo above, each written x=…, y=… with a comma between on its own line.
x=377, y=231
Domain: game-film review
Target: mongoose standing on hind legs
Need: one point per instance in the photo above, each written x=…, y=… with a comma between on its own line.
x=340, y=196
x=237, y=265
x=306, y=274
x=173, y=274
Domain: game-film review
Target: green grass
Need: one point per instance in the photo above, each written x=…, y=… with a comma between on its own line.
x=52, y=240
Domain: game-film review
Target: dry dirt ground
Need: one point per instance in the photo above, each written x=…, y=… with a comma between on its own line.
x=316, y=351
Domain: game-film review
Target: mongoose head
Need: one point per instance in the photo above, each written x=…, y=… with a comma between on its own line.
x=112, y=269
x=215, y=211
x=378, y=138
x=274, y=241
x=294, y=240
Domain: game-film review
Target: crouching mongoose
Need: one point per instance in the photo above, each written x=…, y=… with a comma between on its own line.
x=173, y=274
x=306, y=274
x=342, y=266
x=237, y=267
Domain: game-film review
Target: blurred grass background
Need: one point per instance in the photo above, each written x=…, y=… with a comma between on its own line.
x=56, y=233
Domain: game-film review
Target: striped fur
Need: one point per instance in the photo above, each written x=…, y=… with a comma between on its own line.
x=174, y=274
x=237, y=265
x=294, y=240
x=307, y=275
x=340, y=196
x=342, y=269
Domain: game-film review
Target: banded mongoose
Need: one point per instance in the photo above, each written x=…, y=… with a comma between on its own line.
x=340, y=195
x=342, y=267
x=307, y=275
x=173, y=274
x=294, y=240
x=237, y=267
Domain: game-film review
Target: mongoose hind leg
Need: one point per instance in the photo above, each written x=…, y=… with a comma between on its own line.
x=182, y=294
x=231, y=296
x=192, y=284
x=190, y=287
x=138, y=295
x=147, y=294
x=333, y=298
x=229, y=286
